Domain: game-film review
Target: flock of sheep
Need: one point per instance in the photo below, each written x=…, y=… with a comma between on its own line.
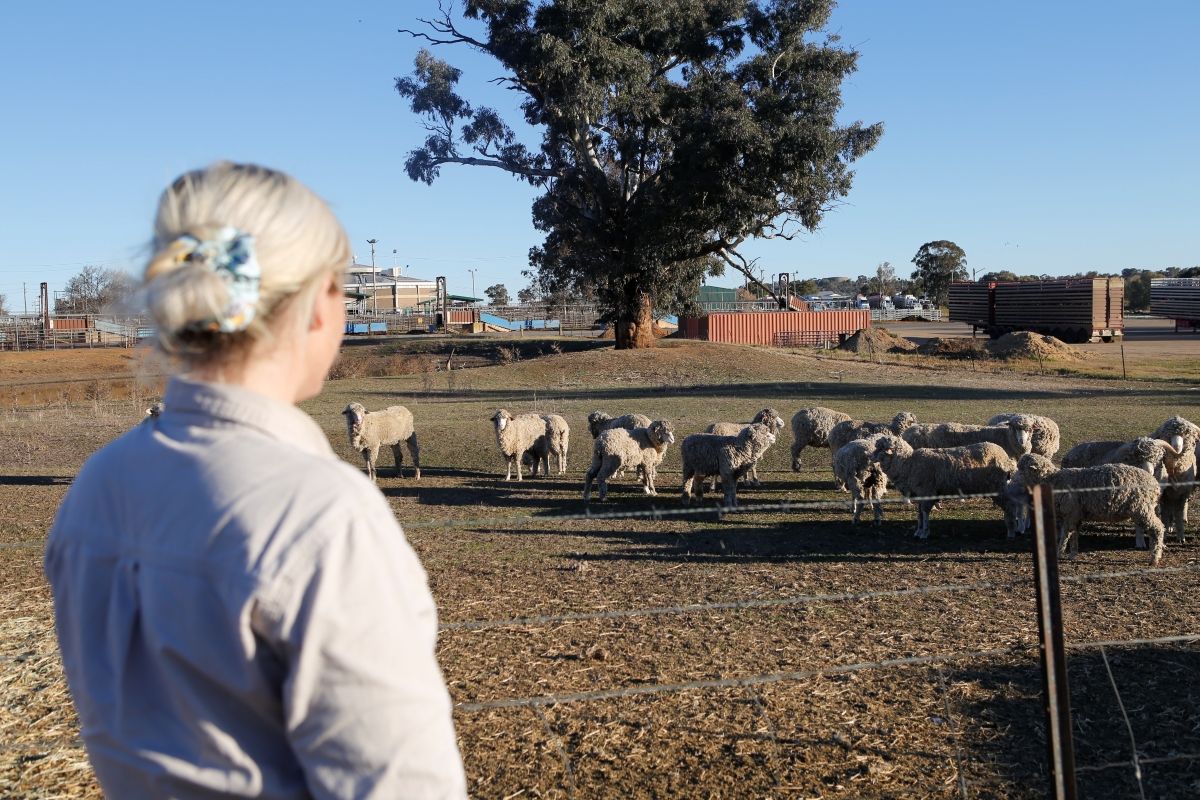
x=1147, y=480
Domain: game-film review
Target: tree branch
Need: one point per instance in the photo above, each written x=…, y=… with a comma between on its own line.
x=532, y=172
x=736, y=260
x=445, y=27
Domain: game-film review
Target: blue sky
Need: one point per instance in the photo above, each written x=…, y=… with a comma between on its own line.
x=1041, y=137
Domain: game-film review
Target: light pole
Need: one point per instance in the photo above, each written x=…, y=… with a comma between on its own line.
x=374, y=295
x=472, y=271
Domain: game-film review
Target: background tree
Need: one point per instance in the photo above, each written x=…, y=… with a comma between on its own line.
x=1002, y=275
x=885, y=278
x=94, y=289
x=3, y=305
x=938, y=263
x=497, y=294
x=527, y=295
x=672, y=131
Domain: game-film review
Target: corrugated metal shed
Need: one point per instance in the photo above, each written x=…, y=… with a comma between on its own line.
x=774, y=327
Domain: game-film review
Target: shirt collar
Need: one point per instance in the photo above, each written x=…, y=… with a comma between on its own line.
x=234, y=404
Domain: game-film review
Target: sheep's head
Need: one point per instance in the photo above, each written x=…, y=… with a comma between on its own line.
x=888, y=446
x=759, y=436
x=903, y=421
x=1021, y=430
x=355, y=413
x=501, y=419
x=595, y=420
x=1180, y=433
x=1175, y=460
x=1034, y=469
x=1148, y=453
x=661, y=433
x=770, y=417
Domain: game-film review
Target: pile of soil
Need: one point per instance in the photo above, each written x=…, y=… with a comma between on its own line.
x=877, y=340
x=1025, y=344
x=955, y=348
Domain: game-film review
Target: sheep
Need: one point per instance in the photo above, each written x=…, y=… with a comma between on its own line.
x=619, y=448
x=558, y=437
x=849, y=430
x=980, y=468
x=1143, y=452
x=1045, y=440
x=768, y=416
x=598, y=422
x=1112, y=493
x=391, y=426
x=517, y=437
x=810, y=428
x=1014, y=436
x=866, y=480
x=730, y=457
x=1017, y=504
x=1180, y=463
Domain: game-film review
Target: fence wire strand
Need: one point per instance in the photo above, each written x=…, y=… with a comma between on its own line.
x=1137, y=768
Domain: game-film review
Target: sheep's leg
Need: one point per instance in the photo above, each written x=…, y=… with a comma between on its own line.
x=754, y=481
x=1181, y=522
x=587, y=481
x=877, y=502
x=606, y=471
x=371, y=454
x=797, y=449
x=1139, y=537
x=648, y=483
x=923, y=508
x=729, y=479
x=855, y=506
x=398, y=455
x=414, y=451
x=1160, y=534
x=689, y=477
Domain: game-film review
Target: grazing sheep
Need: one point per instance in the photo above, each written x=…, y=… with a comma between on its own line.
x=1017, y=504
x=1014, y=436
x=730, y=457
x=1181, y=471
x=866, y=480
x=599, y=422
x=517, y=436
x=621, y=448
x=849, y=430
x=981, y=468
x=1143, y=452
x=1114, y=492
x=768, y=416
x=1045, y=440
x=391, y=426
x=810, y=428
x=558, y=438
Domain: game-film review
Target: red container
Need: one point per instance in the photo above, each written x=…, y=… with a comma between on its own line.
x=774, y=327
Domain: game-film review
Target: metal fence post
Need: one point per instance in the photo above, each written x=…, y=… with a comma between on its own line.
x=1056, y=692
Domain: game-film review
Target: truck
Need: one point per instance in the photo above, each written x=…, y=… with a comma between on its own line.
x=1072, y=309
x=1177, y=299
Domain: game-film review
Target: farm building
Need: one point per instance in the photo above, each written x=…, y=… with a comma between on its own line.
x=1073, y=309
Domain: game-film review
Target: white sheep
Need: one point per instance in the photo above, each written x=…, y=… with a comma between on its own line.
x=621, y=448
x=729, y=457
x=981, y=468
x=517, y=437
x=1142, y=452
x=810, y=428
x=849, y=430
x=387, y=427
x=1111, y=493
x=558, y=438
x=1045, y=440
x=863, y=477
x=1181, y=471
x=768, y=416
x=1014, y=436
x=599, y=422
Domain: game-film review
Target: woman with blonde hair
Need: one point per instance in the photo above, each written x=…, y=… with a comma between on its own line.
x=238, y=611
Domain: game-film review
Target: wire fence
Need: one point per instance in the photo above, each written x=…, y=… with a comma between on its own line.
x=647, y=687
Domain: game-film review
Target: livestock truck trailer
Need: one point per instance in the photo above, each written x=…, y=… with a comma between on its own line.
x=1072, y=309
x=1177, y=299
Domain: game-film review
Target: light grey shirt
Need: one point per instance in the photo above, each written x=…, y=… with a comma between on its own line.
x=240, y=614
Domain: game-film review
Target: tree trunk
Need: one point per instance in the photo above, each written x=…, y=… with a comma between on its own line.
x=635, y=323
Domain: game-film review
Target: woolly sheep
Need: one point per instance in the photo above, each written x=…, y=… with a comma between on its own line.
x=558, y=438
x=1181, y=471
x=1045, y=440
x=981, y=468
x=1115, y=492
x=390, y=426
x=865, y=479
x=730, y=457
x=1017, y=504
x=1014, y=436
x=810, y=428
x=768, y=416
x=599, y=422
x=1143, y=452
x=621, y=448
x=518, y=436
x=852, y=429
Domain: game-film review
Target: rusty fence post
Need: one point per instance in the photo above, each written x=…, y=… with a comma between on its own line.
x=1056, y=692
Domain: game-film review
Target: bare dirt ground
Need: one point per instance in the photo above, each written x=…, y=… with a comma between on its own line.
x=766, y=654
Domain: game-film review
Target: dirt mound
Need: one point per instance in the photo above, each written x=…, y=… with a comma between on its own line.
x=958, y=347
x=877, y=340
x=1025, y=344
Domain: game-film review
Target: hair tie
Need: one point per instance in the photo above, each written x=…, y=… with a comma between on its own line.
x=229, y=254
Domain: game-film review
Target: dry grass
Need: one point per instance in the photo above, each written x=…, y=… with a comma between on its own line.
x=900, y=732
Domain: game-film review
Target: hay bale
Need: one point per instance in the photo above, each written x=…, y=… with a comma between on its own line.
x=877, y=340
x=1026, y=344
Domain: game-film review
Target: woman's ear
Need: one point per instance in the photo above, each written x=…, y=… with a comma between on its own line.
x=319, y=317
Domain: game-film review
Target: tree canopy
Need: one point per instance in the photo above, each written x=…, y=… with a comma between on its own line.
x=672, y=131
x=94, y=289
x=497, y=294
x=938, y=263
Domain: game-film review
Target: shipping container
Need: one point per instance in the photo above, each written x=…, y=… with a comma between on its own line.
x=1072, y=309
x=776, y=328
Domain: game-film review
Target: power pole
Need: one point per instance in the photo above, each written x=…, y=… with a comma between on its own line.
x=24, y=298
x=374, y=296
x=472, y=271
